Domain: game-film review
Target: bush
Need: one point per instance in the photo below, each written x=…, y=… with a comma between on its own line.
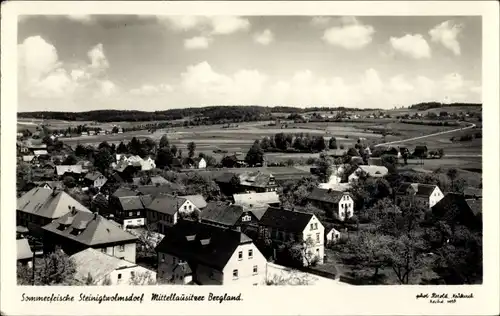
x=342, y=146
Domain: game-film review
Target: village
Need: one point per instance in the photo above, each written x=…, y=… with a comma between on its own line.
x=144, y=213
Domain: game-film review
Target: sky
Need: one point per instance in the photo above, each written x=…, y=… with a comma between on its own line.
x=89, y=62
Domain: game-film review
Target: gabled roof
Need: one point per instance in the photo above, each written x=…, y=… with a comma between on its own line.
x=373, y=171
x=167, y=204
x=122, y=192
x=156, y=191
x=40, y=152
x=93, y=175
x=158, y=180
x=23, y=249
x=454, y=206
x=255, y=179
x=470, y=191
x=423, y=190
x=132, y=203
x=222, y=213
x=53, y=184
x=291, y=221
x=94, y=229
x=256, y=198
x=198, y=200
x=326, y=195
x=28, y=158
x=68, y=168
x=476, y=205
x=48, y=203
x=222, y=243
x=257, y=210
x=97, y=264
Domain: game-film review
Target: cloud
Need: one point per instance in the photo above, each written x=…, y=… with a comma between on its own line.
x=446, y=33
x=398, y=83
x=453, y=82
x=151, y=90
x=197, y=42
x=350, y=35
x=264, y=38
x=228, y=24
x=42, y=75
x=414, y=46
x=215, y=25
x=320, y=21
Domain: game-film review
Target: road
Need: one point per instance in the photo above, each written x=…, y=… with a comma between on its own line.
x=425, y=136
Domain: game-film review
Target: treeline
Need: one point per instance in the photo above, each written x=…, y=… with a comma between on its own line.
x=432, y=123
x=433, y=105
x=285, y=142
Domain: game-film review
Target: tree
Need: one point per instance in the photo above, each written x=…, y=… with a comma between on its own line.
x=104, y=144
x=352, y=152
x=255, y=155
x=135, y=147
x=406, y=256
x=103, y=160
x=164, y=158
x=164, y=143
x=70, y=160
x=69, y=182
x=122, y=148
x=229, y=161
x=80, y=151
x=280, y=141
x=191, y=148
x=452, y=173
x=173, y=150
x=56, y=268
x=324, y=165
x=332, y=143
x=142, y=278
x=149, y=146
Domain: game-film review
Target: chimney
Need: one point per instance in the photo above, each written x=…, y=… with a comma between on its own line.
x=73, y=210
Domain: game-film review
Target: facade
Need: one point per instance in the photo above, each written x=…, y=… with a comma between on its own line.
x=73, y=170
x=77, y=231
x=332, y=236
x=371, y=171
x=165, y=210
x=215, y=256
x=428, y=194
x=257, y=182
x=269, y=198
x=95, y=179
x=129, y=210
x=281, y=225
x=337, y=204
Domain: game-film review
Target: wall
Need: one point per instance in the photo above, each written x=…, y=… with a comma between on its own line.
x=125, y=275
x=133, y=222
x=245, y=267
x=208, y=276
x=435, y=197
x=187, y=207
x=99, y=182
x=128, y=253
x=318, y=246
x=346, y=206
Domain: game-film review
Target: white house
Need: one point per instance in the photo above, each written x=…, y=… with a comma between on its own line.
x=428, y=194
x=203, y=254
x=164, y=211
x=94, y=267
x=200, y=163
x=147, y=164
x=303, y=228
x=371, y=171
x=338, y=204
x=95, y=179
x=332, y=236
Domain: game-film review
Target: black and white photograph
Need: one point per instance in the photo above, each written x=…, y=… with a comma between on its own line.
x=339, y=151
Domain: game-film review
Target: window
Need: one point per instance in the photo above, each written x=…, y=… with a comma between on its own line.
x=130, y=213
x=138, y=213
x=103, y=250
x=190, y=207
x=185, y=207
x=240, y=255
x=254, y=270
x=122, y=248
x=132, y=274
x=119, y=276
x=235, y=274
x=246, y=218
x=317, y=237
x=308, y=237
x=312, y=226
x=315, y=225
x=250, y=253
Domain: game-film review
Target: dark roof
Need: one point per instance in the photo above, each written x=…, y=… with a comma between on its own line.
x=476, y=205
x=420, y=147
x=94, y=229
x=122, y=192
x=167, y=204
x=130, y=203
x=469, y=191
x=156, y=191
x=454, y=207
x=48, y=203
x=424, y=190
x=222, y=213
x=225, y=177
x=255, y=179
x=288, y=220
x=326, y=195
x=93, y=175
x=117, y=177
x=222, y=243
x=158, y=180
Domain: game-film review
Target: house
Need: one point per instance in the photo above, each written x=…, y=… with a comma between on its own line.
x=210, y=256
x=198, y=200
x=147, y=164
x=51, y=185
x=269, y=198
x=200, y=163
x=226, y=183
x=120, y=130
x=473, y=193
x=281, y=225
x=156, y=191
x=336, y=204
x=95, y=267
x=121, y=192
x=165, y=211
x=157, y=180
x=228, y=215
x=420, y=151
x=85, y=134
x=78, y=230
x=371, y=171
x=428, y=194
x=40, y=206
x=257, y=181
x=95, y=179
x=24, y=252
x=455, y=208
x=43, y=153
x=332, y=236
x=71, y=170
x=28, y=158
x=91, y=133
x=129, y=210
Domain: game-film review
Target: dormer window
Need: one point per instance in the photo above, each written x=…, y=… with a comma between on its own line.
x=190, y=237
x=205, y=242
x=76, y=231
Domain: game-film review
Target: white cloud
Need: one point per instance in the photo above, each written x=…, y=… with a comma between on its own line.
x=398, y=83
x=97, y=58
x=197, y=42
x=446, y=33
x=320, y=21
x=264, y=38
x=37, y=58
x=350, y=35
x=211, y=24
x=414, y=46
x=371, y=83
x=228, y=24
x=108, y=88
x=151, y=90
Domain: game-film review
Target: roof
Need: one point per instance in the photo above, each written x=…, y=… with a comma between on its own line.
x=48, y=203
x=52, y=184
x=470, y=191
x=40, y=152
x=257, y=198
x=158, y=180
x=121, y=192
x=288, y=220
x=117, y=177
x=222, y=243
x=476, y=205
x=167, y=204
x=93, y=175
x=23, y=249
x=225, y=177
x=198, y=200
x=68, y=168
x=257, y=210
x=97, y=264
x=420, y=147
x=95, y=229
x=373, y=171
x=28, y=158
x=255, y=179
x=424, y=190
x=375, y=161
x=156, y=191
x=459, y=208
x=222, y=213
x=130, y=203
x=326, y=195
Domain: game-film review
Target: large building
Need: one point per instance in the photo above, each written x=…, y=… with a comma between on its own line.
x=337, y=204
x=427, y=194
